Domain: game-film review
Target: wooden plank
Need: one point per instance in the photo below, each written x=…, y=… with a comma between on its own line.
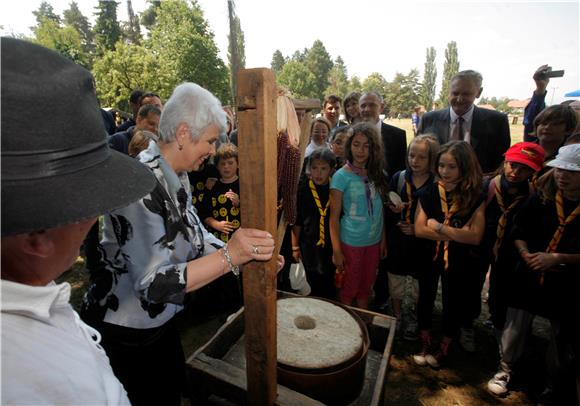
x=257, y=95
x=306, y=104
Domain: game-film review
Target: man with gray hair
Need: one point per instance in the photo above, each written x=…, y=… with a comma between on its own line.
x=487, y=131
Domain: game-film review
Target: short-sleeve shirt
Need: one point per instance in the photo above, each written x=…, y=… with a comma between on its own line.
x=358, y=227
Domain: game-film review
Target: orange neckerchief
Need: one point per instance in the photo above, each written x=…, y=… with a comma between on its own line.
x=563, y=221
x=448, y=214
x=504, y=213
x=410, y=201
x=321, y=211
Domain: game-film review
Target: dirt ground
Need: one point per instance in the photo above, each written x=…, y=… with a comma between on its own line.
x=462, y=382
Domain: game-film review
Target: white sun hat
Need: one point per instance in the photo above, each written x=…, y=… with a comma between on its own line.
x=568, y=158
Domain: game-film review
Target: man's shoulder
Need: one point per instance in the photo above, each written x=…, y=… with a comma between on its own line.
x=391, y=129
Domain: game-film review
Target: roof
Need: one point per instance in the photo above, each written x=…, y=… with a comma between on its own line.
x=486, y=106
x=518, y=104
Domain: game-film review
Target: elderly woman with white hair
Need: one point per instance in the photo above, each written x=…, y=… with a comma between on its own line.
x=156, y=250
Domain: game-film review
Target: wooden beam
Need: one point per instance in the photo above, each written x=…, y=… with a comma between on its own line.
x=306, y=104
x=257, y=94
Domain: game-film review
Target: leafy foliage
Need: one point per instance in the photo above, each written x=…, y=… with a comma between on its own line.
x=450, y=68
x=338, y=79
x=296, y=76
x=131, y=28
x=318, y=61
x=74, y=18
x=236, y=48
x=278, y=61
x=107, y=29
x=427, y=96
x=66, y=40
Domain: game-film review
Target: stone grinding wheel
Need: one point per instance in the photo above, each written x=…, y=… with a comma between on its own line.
x=315, y=334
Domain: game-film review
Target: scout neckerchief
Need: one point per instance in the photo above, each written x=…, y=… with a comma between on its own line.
x=504, y=213
x=448, y=214
x=366, y=182
x=407, y=209
x=563, y=221
x=321, y=211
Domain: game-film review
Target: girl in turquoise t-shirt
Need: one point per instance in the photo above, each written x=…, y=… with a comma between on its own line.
x=357, y=192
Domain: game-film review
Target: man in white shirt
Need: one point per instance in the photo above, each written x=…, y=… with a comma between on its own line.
x=57, y=172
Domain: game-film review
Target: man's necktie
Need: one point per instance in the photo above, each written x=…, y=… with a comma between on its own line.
x=458, y=129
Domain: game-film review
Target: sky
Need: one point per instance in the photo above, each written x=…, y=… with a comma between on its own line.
x=504, y=40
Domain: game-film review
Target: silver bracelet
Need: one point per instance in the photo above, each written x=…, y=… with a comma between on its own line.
x=234, y=268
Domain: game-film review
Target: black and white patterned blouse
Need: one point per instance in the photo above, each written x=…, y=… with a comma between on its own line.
x=141, y=280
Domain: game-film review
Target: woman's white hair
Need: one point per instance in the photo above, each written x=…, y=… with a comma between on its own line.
x=194, y=106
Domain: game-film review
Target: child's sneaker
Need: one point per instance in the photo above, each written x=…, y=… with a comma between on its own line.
x=435, y=361
x=419, y=358
x=467, y=339
x=498, y=384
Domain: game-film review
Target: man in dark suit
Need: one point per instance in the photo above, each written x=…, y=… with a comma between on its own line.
x=487, y=131
x=394, y=139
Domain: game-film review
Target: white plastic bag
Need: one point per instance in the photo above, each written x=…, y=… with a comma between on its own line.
x=298, y=279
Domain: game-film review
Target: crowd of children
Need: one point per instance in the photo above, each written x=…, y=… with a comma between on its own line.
x=441, y=221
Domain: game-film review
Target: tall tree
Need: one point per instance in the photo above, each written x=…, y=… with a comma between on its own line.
x=403, y=93
x=132, y=29
x=236, y=48
x=318, y=61
x=375, y=82
x=107, y=29
x=45, y=12
x=182, y=41
x=126, y=68
x=65, y=40
x=338, y=79
x=450, y=68
x=149, y=15
x=429, y=80
x=298, y=79
x=354, y=84
x=75, y=18
x=278, y=61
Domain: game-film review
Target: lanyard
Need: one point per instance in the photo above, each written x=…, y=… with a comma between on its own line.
x=366, y=182
x=448, y=214
x=321, y=211
x=504, y=213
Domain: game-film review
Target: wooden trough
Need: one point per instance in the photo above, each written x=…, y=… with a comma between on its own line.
x=217, y=371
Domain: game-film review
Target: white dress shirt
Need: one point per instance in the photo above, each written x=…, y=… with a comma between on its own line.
x=49, y=356
x=467, y=120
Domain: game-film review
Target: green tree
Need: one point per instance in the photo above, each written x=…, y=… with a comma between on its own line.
x=186, y=50
x=338, y=79
x=318, y=61
x=450, y=68
x=74, y=18
x=131, y=28
x=429, y=80
x=236, y=48
x=149, y=16
x=129, y=67
x=45, y=12
x=297, y=78
x=278, y=61
x=107, y=29
x=354, y=84
x=66, y=40
x=403, y=93
x=374, y=82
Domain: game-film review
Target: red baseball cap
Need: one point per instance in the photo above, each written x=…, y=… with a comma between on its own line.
x=527, y=153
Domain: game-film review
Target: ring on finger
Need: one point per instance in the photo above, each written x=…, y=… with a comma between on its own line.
x=255, y=250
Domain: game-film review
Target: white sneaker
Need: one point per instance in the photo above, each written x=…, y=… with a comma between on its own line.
x=467, y=339
x=498, y=384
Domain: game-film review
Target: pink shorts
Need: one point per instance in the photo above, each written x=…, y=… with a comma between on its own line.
x=360, y=271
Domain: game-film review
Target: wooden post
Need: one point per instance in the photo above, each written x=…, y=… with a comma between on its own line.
x=257, y=137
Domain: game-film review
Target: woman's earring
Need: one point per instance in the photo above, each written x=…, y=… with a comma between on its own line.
x=179, y=146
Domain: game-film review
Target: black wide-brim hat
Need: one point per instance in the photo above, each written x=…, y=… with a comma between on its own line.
x=57, y=168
